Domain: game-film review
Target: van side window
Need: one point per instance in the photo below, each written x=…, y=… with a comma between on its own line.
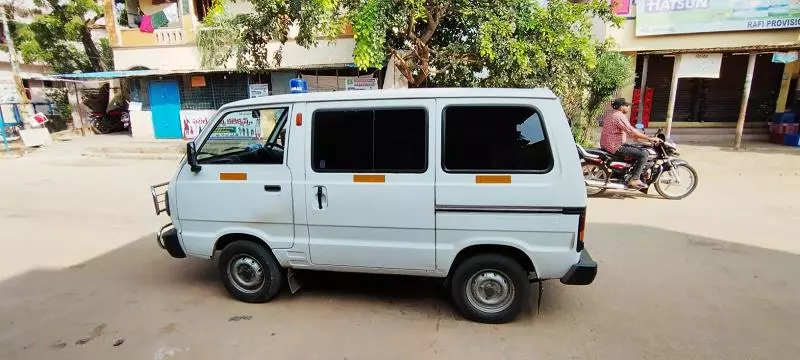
x=366, y=140
x=246, y=137
x=490, y=138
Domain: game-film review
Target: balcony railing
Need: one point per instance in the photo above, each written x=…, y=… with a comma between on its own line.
x=170, y=36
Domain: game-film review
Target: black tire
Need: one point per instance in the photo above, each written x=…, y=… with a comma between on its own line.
x=241, y=258
x=588, y=171
x=494, y=265
x=661, y=191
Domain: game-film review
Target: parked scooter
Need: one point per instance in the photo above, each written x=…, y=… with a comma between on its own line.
x=115, y=120
x=672, y=177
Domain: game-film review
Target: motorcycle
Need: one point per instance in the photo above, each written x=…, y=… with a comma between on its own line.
x=672, y=177
x=115, y=120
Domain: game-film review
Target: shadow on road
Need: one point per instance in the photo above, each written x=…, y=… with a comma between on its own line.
x=659, y=293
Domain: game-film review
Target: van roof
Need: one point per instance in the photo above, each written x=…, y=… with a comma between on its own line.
x=398, y=94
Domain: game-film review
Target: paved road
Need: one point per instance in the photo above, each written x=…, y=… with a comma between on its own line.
x=710, y=277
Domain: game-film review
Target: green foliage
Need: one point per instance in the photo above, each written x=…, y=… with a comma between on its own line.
x=63, y=110
x=51, y=37
x=514, y=43
x=106, y=54
x=613, y=71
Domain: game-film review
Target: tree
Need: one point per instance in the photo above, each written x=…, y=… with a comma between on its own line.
x=488, y=43
x=518, y=41
x=52, y=38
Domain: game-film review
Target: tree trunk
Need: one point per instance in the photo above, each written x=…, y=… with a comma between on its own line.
x=91, y=48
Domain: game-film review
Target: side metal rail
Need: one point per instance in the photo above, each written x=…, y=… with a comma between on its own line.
x=160, y=197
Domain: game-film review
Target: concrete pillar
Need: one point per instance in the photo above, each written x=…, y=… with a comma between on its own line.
x=748, y=81
x=111, y=22
x=673, y=92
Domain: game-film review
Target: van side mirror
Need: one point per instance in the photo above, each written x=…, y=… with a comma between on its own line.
x=191, y=157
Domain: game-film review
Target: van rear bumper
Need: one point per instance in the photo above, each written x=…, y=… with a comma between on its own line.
x=167, y=239
x=582, y=273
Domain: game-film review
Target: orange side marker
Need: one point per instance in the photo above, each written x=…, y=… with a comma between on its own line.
x=493, y=179
x=233, y=176
x=369, y=178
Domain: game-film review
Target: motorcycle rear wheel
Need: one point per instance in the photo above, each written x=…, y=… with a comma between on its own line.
x=594, y=172
x=664, y=182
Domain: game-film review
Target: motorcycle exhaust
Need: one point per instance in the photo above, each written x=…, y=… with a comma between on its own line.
x=605, y=185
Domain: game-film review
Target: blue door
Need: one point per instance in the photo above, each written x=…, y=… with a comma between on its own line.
x=165, y=104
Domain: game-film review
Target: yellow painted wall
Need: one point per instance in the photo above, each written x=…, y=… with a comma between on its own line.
x=790, y=71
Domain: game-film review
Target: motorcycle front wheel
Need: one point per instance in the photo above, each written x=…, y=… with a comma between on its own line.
x=677, y=183
x=597, y=173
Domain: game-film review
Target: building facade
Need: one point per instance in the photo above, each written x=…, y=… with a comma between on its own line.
x=721, y=45
x=176, y=97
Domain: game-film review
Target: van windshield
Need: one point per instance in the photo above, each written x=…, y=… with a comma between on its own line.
x=245, y=131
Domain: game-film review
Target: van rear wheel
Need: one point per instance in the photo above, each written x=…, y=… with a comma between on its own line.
x=490, y=288
x=250, y=272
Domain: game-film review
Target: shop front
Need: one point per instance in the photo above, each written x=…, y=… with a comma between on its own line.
x=727, y=65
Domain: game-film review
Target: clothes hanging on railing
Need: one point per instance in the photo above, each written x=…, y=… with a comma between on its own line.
x=147, y=24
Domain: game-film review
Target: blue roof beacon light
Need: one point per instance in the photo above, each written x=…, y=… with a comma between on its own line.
x=298, y=86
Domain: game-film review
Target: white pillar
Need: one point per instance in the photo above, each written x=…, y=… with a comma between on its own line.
x=673, y=92
x=748, y=80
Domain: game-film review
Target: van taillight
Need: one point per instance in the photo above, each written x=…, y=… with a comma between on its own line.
x=581, y=230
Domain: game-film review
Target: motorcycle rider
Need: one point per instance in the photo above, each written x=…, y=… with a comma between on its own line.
x=616, y=129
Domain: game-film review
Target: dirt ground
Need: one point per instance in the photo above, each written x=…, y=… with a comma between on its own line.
x=712, y=276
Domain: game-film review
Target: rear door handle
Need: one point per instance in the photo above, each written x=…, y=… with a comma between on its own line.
x=322, y=197
x=272, y=188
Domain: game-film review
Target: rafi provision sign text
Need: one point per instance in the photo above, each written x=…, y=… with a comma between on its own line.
x=661, y=17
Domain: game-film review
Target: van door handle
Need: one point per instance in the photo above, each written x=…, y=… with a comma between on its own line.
x=272, y=188
x=319, y=197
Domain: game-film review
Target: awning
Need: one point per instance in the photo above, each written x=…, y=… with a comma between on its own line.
x=110, y=75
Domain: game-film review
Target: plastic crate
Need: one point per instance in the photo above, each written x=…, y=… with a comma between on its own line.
x=776, y=138
x=791, y=139
x=784, y=118
x=784, y=128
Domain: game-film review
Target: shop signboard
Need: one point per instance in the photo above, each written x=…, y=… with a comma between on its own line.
x=361, y=83
x=663, y=17
x=784, y=57
x=193, y=121
x=259, y=90
x=699, y=65
x=238, y=125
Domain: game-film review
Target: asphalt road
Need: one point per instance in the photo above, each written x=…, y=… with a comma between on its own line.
x=709, y=277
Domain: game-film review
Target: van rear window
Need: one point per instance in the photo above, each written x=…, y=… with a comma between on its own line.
x=369, y=140
x=483, y=139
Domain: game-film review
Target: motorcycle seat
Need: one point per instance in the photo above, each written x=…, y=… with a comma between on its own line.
x=600, y=152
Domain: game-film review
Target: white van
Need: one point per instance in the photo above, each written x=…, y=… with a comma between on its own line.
x=479, y=187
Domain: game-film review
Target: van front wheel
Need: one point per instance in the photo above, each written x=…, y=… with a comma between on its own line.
x=490, y=288
x=250, y=272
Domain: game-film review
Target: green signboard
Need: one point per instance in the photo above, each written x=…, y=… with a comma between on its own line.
x=662, y=17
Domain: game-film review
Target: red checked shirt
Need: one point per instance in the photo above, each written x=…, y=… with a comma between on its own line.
x=616, y=129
